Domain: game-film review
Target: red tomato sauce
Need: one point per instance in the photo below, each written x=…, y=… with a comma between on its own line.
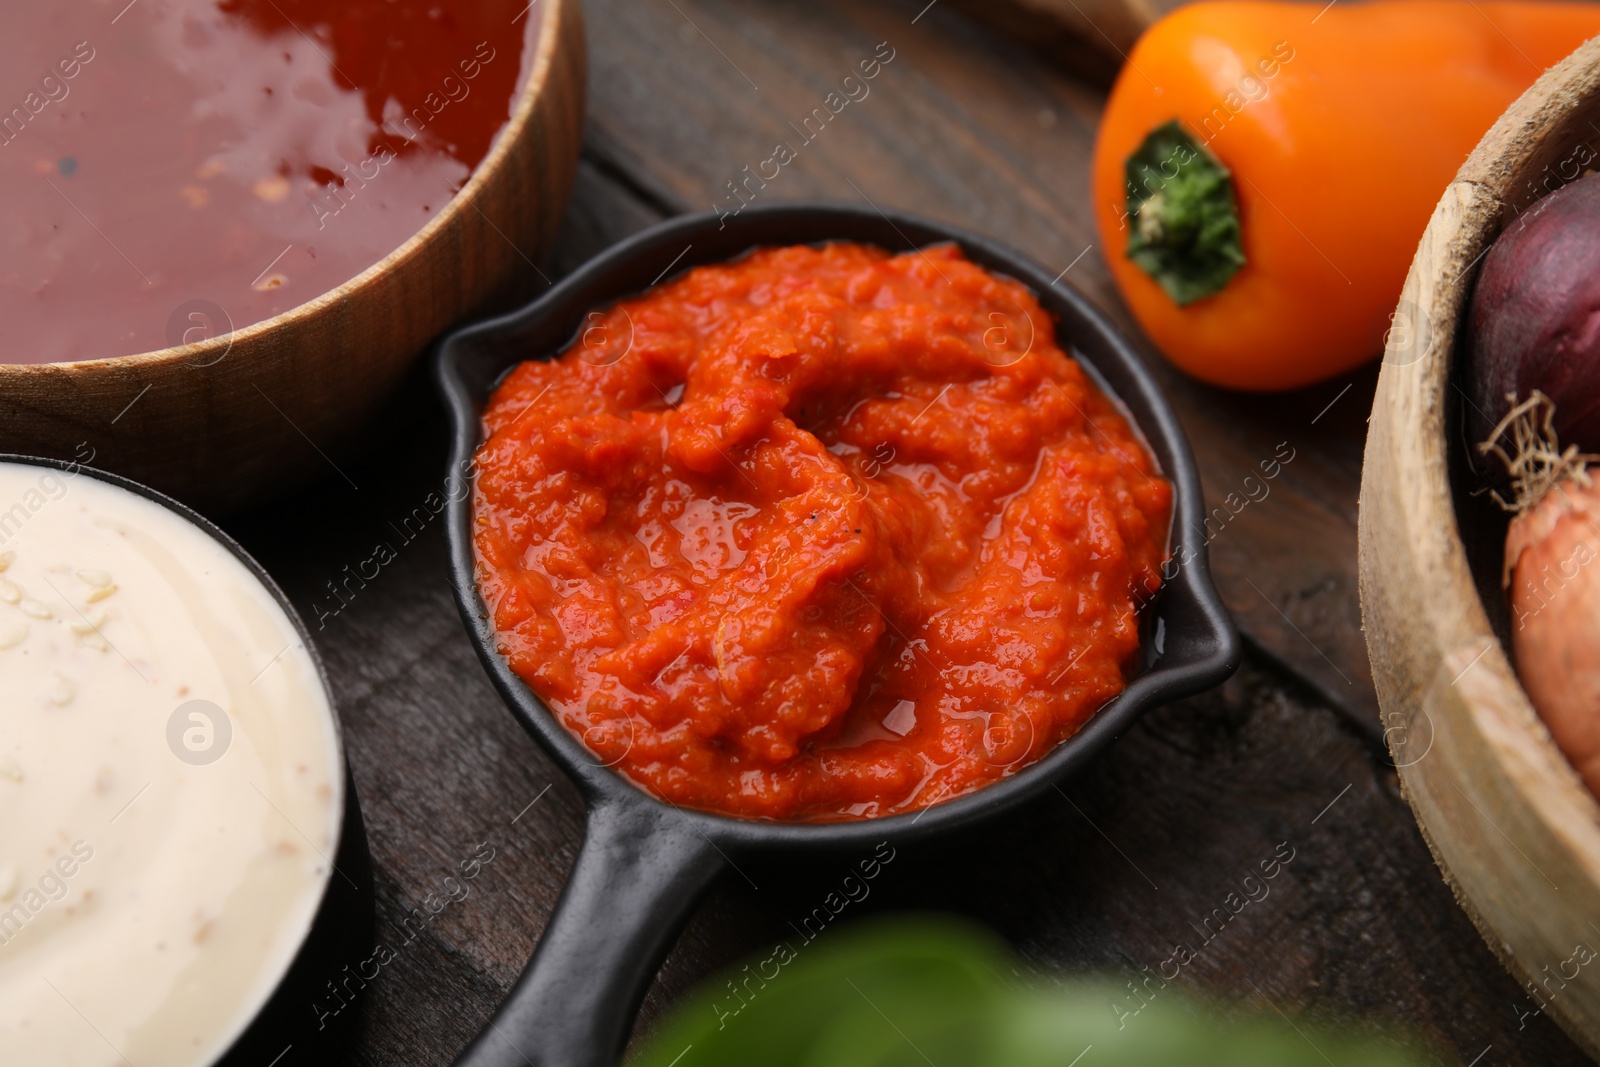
x=817, y=534
x=174, y=169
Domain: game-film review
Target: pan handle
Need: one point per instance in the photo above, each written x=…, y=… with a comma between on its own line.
x=642, y=869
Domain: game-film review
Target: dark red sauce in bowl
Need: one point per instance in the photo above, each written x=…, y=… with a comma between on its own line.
x=176, y=168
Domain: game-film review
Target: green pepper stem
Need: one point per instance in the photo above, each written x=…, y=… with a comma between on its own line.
x=1185, y=231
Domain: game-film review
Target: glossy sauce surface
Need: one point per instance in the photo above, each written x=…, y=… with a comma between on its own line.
x=177, y=168
x=817, y=534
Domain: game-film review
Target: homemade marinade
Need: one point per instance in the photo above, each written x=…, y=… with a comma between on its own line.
x=174, y=169
x=821, y=533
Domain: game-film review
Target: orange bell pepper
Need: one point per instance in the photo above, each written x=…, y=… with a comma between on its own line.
x=1262, y=240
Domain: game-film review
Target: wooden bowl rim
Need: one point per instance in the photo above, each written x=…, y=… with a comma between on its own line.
x=1445, y=658
x=1502, y=154
x=528, y=101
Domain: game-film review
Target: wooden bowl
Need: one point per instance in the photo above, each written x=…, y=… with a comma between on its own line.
x=231, y=419
x=1509, y=822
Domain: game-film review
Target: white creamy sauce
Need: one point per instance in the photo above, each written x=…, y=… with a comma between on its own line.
x=152, y=892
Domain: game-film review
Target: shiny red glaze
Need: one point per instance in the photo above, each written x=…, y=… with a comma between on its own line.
x=176, y=168
x=817, y=534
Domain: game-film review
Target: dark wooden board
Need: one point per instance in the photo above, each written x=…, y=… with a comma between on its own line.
x=1093, y=37
x=966, y=126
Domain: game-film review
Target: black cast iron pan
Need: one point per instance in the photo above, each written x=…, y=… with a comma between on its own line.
x=644, y=863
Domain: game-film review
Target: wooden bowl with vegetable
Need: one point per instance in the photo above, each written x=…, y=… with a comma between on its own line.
x=230, y=271
x=1481, y=614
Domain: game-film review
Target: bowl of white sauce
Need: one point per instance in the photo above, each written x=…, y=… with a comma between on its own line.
x=175, y=809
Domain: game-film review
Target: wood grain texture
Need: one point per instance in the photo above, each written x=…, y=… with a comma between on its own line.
x=237, y=417
x=1089, y=38
x=971, y=127
x=1507, y=817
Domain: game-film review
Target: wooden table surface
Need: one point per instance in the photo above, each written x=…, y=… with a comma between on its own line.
x=966, y=126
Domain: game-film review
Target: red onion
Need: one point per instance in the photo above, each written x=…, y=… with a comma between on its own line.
x=1535, y=316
